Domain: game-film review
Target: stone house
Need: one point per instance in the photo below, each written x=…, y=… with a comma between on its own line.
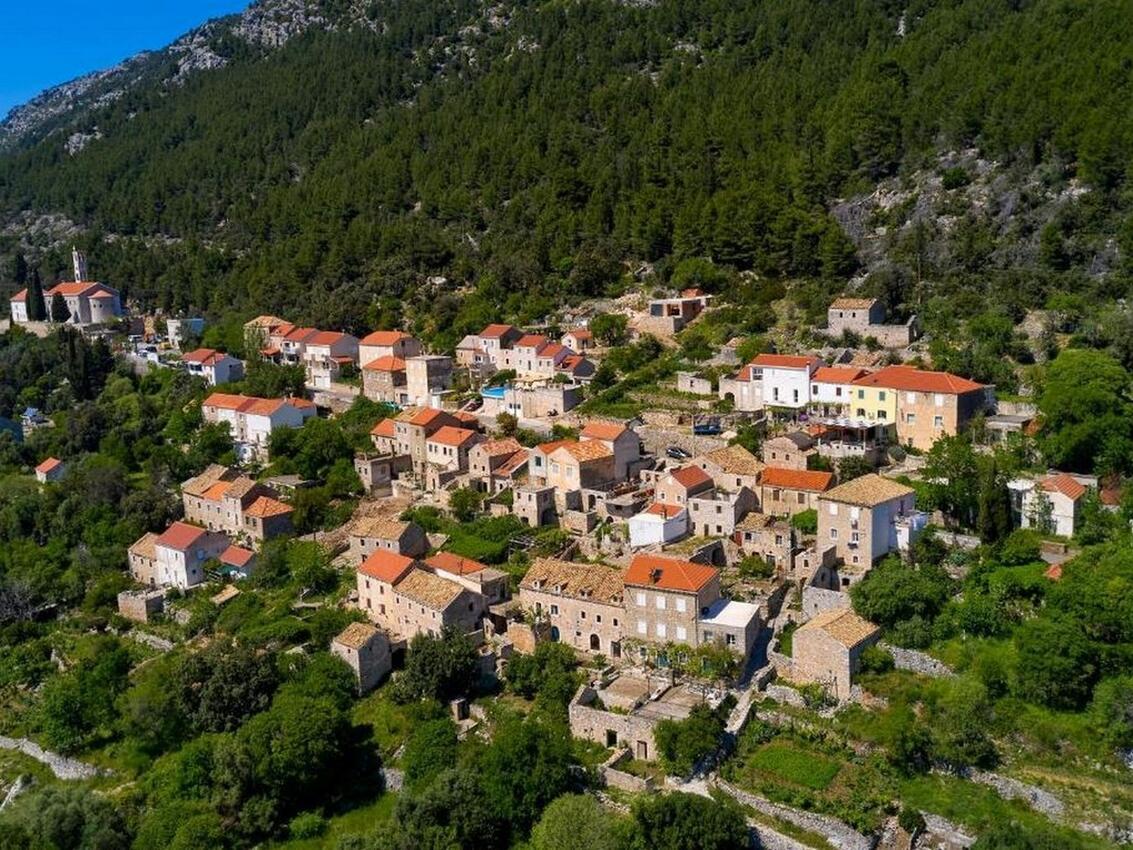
x=488, y=582
x=534, y=504
x=414, y=426
x=582, y=602
x=50, y=471
x=181, y=552
x=384, y=437
x=579, y=340
x=387, y=344
x=378, y=472
x=690, y=382
x=623, y=443
x=669, y=315
x=786, y=492
x=588, y=465
x=827, y=649
x=425, y=603
x=427, y=378
x=493, y=465
x=679, y=486
x=788, y=451
x=141, y=605
x=716, y=513
x=142, y=559
x=384, y=380
x=376, y=577
x=252, y=420
x=366, y=651
x=221, y=499
x=768, y=537
x=448, y=447
x=854, y=315
x=731, y=468
x=865, y=519
x=371, y=534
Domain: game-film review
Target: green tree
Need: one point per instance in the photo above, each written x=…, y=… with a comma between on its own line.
x=609, y=328
x=430, y=750
x=894, y=592
x=60, y=312
x=464, y=502
x=573, y=821
x=36, y=305
x=437, y=667
x=64, y=818
x=683, y=743
x=1062, y=679
x=687, y=822
x=1112, y=711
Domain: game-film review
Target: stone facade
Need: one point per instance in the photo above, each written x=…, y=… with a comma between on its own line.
x=827, y=649
x=366, y=651
x=141, y=605
x=581, y=602
x=860, y=520
x=715, y=514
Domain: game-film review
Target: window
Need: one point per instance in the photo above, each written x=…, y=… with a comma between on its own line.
x=795, y=395
x=881, y=415
x=837, y=392
x=661, y=630
x=775, y=393
x=682, y=633
x=639, y=598
x=660, y=603
x=615, y=621
x=938, y=422
x=730, y=640
x=833, y=534
x=582, y=615
x=800, y=497
x=707, y=636
x=861, y=393
x=881, y=396
x=642, y=627
x=682, y=605
x=911, y=418
x=554, y=610
x=597, y=618
x=814, y=389
x=855, y=536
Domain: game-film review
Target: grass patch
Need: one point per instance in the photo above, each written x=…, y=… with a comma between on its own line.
x=362, y=820
x=390, y=722
x=784, y=761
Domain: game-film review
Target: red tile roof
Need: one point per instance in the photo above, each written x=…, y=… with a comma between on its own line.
x=837, y=374
x=49, y=465
x=495, y=331
x=180, y=536
x=389, y=363
x=784, y=361
x=547, y=448
x=204, y=356
x=450, y=435
x=530, y=341
x=420, y=416
x=1054, y=573
x=326, y=338
x=226, y=401
x=77, y=287
x=797, y=479
x=453, y=563
x=300, y=334
x=668, y=573
x=918, y=380
x=597, y=430
x=384, y=338
x=22, y=295
x=236, y=556
x=386, y=566
x=691, y=477
x=579, y=333
x=664, y=511
x=1064, y=484
x=265, y=507
x=385, y=428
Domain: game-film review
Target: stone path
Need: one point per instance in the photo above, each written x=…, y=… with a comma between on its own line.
x=61, y=766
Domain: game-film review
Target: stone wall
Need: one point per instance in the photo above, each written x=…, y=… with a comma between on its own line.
x=141, y=605
x=819, y=599
x=917, y=662
x=594, y=723
x=620, y=779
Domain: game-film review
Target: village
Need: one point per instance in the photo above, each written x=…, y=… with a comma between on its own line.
x=696, y=554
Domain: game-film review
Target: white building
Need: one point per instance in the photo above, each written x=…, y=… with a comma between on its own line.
x=177, y=330
x=88, y=302
x=387, y=344
x=1051, y=504
x=214, y=366
x=251, y=420
x=325, y=354
x=659, y=523
x=786, y=379
x=181, y=553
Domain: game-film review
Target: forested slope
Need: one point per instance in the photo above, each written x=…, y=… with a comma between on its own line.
x=525, y=148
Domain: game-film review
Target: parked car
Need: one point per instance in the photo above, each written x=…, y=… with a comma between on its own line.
x=677, y=453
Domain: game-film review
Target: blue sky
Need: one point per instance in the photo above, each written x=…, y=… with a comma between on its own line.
x=47, y=42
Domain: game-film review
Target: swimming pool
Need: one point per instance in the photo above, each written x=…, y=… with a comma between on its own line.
x=493, y=392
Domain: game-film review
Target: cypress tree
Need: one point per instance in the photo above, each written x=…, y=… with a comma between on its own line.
x=59, y=310
x=37, y=307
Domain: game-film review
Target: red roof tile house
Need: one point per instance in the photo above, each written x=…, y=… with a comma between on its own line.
x=52, y=469
x=326, y=354
x=88, y=302
x=384, y=379
x=926, y=405
x=214, y=366
x=251, y=420
x=182, y=551
x=221, y=499
x=387, y=344
x=376, y=576
x=1052, y=504
x=495, y=465
x=677, y=487
x=658, y=524
x=623, y=443
x=786, y=492
x=670, y=601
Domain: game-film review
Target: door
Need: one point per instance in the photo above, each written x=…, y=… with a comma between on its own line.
x=595, y=642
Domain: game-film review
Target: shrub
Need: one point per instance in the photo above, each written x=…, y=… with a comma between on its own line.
x=874, y=659
x=806, y=521
x=307, y=825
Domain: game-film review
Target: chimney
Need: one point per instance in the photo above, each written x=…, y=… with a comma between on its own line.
x=79, y=261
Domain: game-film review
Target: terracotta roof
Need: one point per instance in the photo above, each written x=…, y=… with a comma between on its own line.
x=299, y=403
x=1064, y=484
x=302, y=335
x=22, y=295
x=837, y=374
x=420, y=415
x=513, y=463
x=197, y=485
x=693, y=292
x=664, y=511
x=668, y=573
x=384, y=338
x=143, y=547
x=450, y=562
x=204, y=356
x=450, y=435
x=262, y=406
x=327, y=338
x=385, y=428
x=691, y=477
x=756, y=521
x=1054, y=573
x=797, y=479
x=843, y=625
x=72, y=288
x=237, y=556
x=180, y=536
x=356, y=635
x=571, y=362
x=428, y=589
x=470, y=419
x=388, y=363
x=586, y=450
x=530, y=341
x=552, y=349
x=602, y=430
x=227, y=401
x=266, y=506
x=49, y=465
x=386, y=566
x=735, y=460
x=382, y=527
x=578, y=581
x=784, y=361
x=918, y=380
x=495, y=331
x=868, y=491
x=215, y=492
x=853, y=303
x=101, y=292
x=547, y=448
x=505, y=446
x=579, y=333
x=265, y=322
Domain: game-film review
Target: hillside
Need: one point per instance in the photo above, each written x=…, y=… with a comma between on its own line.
x=328, y=159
